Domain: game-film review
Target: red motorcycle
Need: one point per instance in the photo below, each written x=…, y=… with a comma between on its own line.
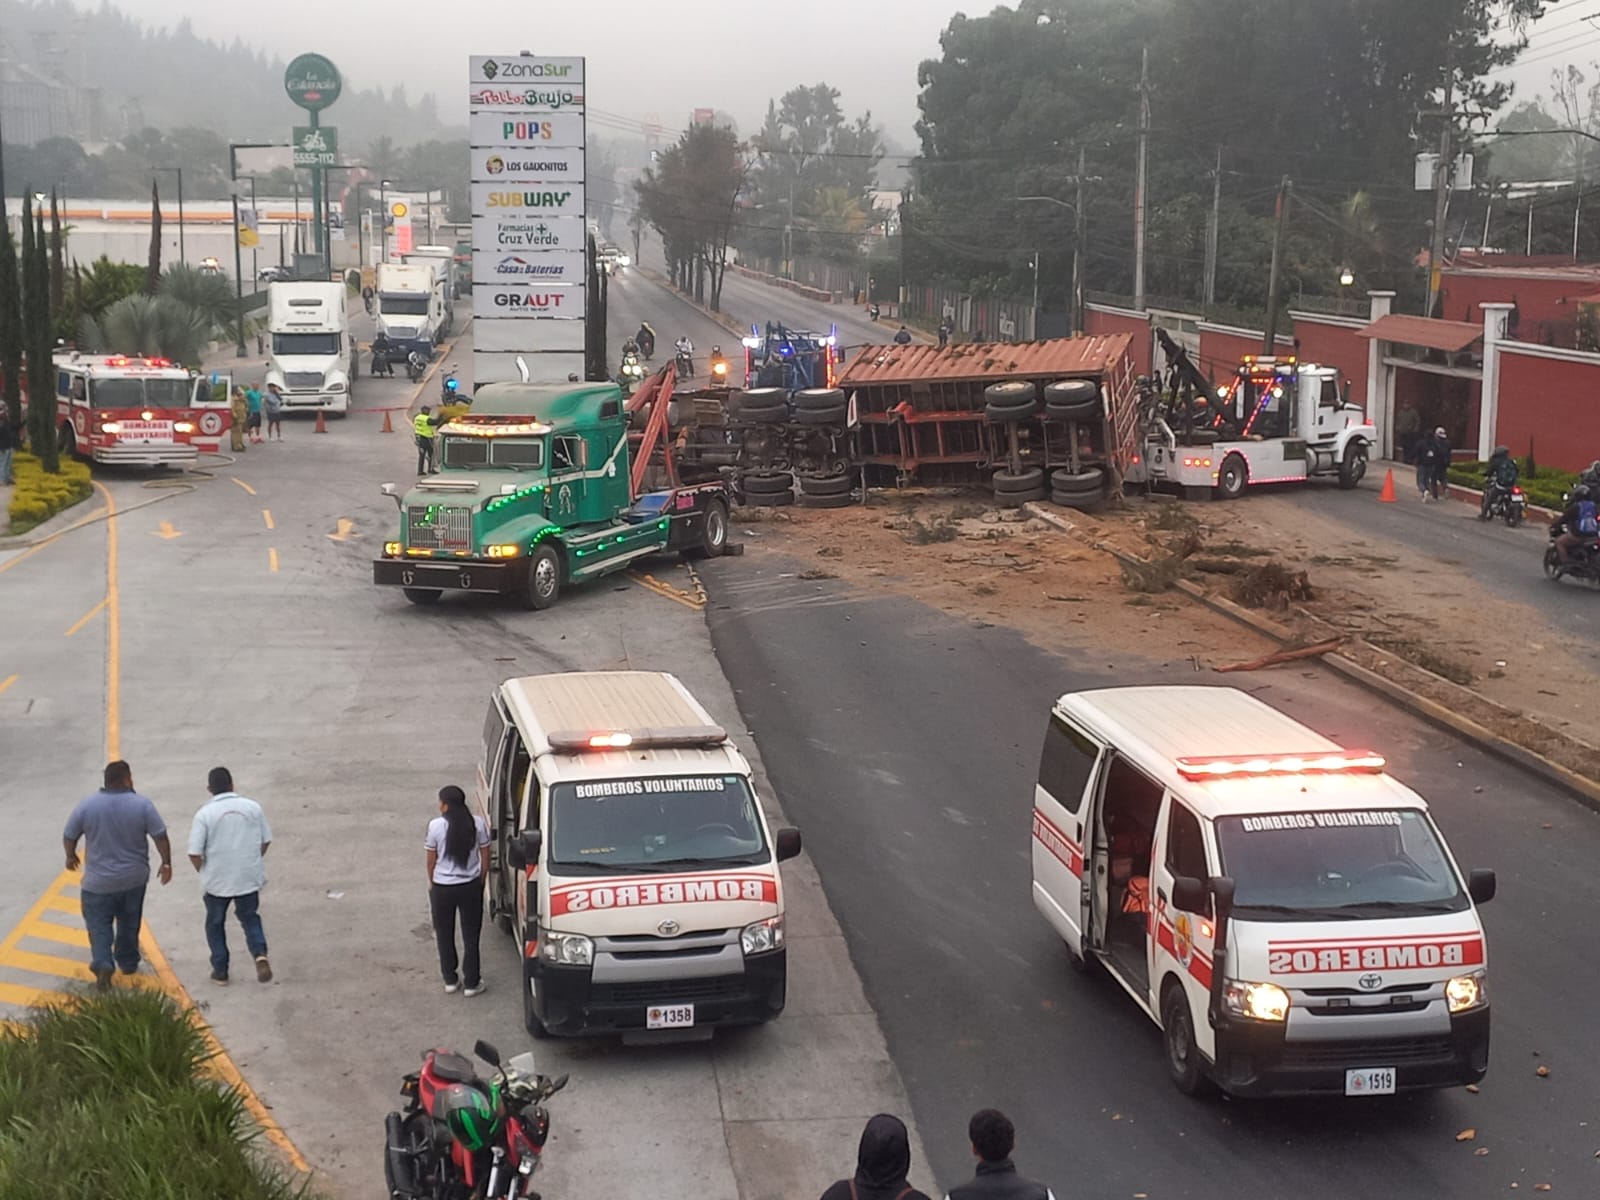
x=462, y=1137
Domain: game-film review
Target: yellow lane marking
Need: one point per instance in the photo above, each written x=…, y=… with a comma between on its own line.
x=49, y=931
x=86, y=618
x=220, y=1062
x=244, y=485
x=38, y=546
x=47, y=964
x=27, y=997
x=166, y=531
x=266, y=515
x=272, y=558
x=113, y=635
x=7, y=682
x=65, y=904
x=651, y=584
x=346, y=528
x=52, y=898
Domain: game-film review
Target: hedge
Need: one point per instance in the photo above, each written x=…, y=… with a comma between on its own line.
x=39, y=495
x=1545, y=489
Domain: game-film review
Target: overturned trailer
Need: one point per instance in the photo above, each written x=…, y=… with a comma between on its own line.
x=1029, y=419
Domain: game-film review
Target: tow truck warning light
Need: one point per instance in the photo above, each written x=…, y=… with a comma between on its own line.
x=611, y=741
x=1330, y=762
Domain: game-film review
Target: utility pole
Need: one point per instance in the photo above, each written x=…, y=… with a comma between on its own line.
x=1213, y=225
x=1077, y=253
x=1139, y=197
x=1034, y=320
x=1441, y=184
x=1270, y=340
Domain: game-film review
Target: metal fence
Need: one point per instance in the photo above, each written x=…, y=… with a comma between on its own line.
x=995, y=318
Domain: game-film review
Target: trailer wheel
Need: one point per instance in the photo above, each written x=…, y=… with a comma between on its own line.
x=768, y=483
x=1354, y=465
x=844, y=501
x=1231, y=479
x=713, y=533
x=769, y=499
x=544, y=579
x=1072, y=400
x=763, y=406
x=825, y=485
x=423, y=596
x=1004, y=403
x=1018, y=489
x=1081, y=489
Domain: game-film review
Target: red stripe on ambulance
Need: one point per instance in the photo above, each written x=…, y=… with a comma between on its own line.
x=1311, y=958
x=712, y=889
x=1050, y=836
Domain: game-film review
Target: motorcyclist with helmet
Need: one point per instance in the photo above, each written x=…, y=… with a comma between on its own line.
x=1578, y=524
x=645, y=339
x=685, y=350
x=718, y=364
x=1501, y=475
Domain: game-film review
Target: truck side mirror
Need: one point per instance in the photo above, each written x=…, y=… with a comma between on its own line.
x=524, y=849
x=1481, y=885
x=788, y=843
x=389, y=491
x=1189, y=895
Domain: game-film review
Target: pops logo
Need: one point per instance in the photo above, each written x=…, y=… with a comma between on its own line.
x=527, y=131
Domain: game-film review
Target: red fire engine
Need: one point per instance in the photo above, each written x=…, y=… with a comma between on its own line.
x=136, y=410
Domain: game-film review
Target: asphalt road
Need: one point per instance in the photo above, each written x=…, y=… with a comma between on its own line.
x=907, y=741
x=249, y=633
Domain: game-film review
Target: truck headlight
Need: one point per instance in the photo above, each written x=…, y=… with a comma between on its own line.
x=508, y=550
x=336, y=387
x=1466, y=992
x=391, y=549
x=183, y=427
x=566, y=949
x=110, y=426
x=1255, y=1001
x=762, y=937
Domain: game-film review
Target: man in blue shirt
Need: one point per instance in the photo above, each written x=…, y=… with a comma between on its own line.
x=114, y=823
x=227, y=845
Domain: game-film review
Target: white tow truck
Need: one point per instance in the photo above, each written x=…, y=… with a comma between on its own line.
x=313, y=359
x=1277, y=420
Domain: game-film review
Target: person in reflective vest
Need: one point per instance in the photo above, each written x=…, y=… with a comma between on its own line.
x=422, y=425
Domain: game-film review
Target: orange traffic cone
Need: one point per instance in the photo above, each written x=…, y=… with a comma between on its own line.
x=322, y=425
x=388, y=425
x=1386, y=496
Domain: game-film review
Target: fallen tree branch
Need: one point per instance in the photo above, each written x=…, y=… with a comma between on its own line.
x=1284, y=656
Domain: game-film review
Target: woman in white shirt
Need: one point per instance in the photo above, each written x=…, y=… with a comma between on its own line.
x=458, y=863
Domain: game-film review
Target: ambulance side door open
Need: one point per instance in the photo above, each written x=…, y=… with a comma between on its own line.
x=1068, y=780
x=1184, y=941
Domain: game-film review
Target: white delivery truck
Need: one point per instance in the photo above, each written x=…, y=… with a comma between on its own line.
x=632, y=862
x=408, y=309
x=313, y=361
x=1285, y=911
x=443, y=260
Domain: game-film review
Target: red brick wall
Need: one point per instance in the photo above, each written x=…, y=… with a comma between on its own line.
x=1544, y=314
x=1553, y=403
x=1336, y=346
x=1095, y=321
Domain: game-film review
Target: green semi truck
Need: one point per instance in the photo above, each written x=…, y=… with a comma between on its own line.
x=533, y=493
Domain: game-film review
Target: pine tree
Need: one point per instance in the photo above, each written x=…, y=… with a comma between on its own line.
x=58, y=262
x=41, y=350
x=10, y=322
x=152, y=274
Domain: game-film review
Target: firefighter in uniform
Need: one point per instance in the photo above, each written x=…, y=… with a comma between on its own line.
x=425, y=430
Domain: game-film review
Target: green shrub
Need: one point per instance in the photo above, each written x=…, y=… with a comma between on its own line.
x=40, y=495
x=108, y=1096
x=1544, y=487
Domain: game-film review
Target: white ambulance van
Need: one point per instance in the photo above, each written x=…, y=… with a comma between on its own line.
x=1286, y=912
x=631, y=860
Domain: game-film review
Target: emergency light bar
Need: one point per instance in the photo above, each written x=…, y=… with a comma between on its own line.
x=667, y=737
x=1316, y=762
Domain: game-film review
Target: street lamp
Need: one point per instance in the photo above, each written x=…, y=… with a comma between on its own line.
x=1346, y=277
x=383, y=215
x=238, y=264
x=179, y=172
x=327, y=214
x=1076, y=314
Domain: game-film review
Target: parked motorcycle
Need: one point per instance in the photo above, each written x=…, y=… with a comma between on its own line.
x=450, y=387
x=461, y=1137
x=416, y=366
x=1507, y=503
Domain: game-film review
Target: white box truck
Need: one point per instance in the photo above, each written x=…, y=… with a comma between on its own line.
x=409, y=308
x=314, y=361
x=443, y=260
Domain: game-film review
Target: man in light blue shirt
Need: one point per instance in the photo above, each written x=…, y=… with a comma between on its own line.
x=114, y=823
x=227, y=845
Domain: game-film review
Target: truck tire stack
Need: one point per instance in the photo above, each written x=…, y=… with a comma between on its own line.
x=1076, y=401
x=826, y=491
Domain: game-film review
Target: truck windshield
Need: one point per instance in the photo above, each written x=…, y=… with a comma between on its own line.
x=1332, y=865
x=627, y=826
x=405, y=306
x=493, y=452
x=305, y=343
x=141, y=393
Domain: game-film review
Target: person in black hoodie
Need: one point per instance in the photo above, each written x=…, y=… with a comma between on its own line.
x=881, y=1165
x=993, y=1138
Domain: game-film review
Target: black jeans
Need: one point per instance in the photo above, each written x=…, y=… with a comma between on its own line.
x=448, y=901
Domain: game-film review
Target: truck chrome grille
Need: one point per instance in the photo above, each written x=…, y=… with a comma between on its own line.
x=303, y=381
x=439, y=527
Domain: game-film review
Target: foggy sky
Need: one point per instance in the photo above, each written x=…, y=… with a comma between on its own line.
x=658, y=60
